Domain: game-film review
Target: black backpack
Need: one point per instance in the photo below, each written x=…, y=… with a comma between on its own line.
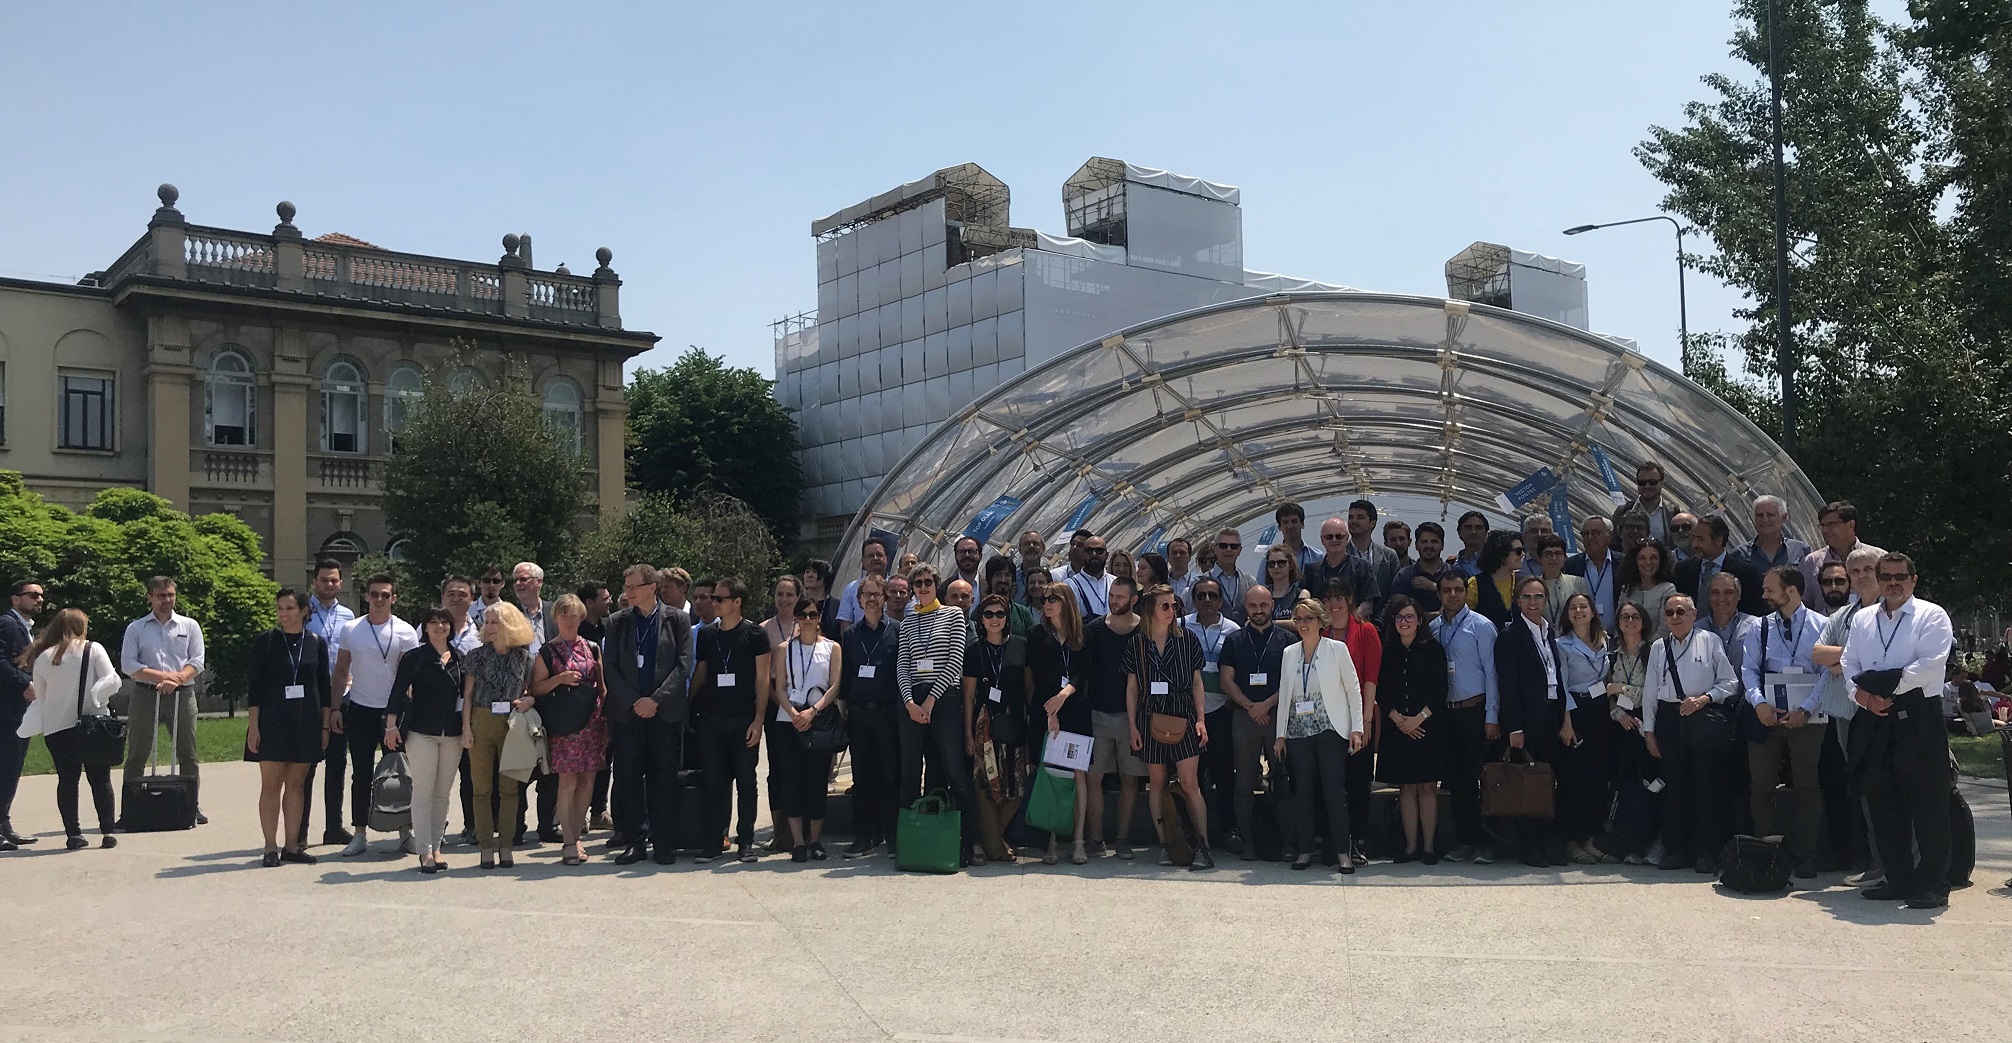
x=1755, y=865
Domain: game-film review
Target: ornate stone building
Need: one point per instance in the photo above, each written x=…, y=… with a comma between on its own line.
x=267, y=375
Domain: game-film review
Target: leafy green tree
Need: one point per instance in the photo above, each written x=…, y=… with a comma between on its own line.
x=479, y=479
x=706, y=535
x=702, y=427
x=99, y=561
x=1901, y=407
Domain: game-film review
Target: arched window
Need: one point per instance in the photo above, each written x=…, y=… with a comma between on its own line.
x=401, y=393
x=342, y=408
x=464, y=382
x=230, y=400
x=562, y=412
x=397, y=551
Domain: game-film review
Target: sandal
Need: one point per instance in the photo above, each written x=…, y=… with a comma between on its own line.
x=1050, y=859
x=1080, y=857
x=977, y=856
x=572, y=860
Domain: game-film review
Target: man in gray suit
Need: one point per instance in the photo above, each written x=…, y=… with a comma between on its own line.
x=648, y=657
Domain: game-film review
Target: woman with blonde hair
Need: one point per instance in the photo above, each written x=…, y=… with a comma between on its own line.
x=1319, y=726
x=496, y=674
x=569, y=686
x=62, y=661
x=1120, y=564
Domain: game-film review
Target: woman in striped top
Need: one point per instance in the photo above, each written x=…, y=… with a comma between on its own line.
x=1163, y=687
x=928, y=667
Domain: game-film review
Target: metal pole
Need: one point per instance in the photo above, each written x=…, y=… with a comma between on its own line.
x=1683, y=308
x=1784, y=327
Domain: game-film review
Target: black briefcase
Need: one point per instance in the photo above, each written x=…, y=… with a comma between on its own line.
x=157, y=803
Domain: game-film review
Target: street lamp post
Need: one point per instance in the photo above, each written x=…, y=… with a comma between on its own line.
x=1683, y=308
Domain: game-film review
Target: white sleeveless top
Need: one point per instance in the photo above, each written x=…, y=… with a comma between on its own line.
x=807, y=670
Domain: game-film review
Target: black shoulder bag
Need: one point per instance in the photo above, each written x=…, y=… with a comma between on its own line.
x=1711, y=729
x=567, y=709
x=101, y=740
x=827, y=732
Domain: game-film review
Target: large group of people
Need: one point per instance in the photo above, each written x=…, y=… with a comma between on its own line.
x=1679, y=688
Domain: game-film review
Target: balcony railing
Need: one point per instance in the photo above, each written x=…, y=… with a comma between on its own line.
x=227, y=468
x=284, y=261
x=337, y=473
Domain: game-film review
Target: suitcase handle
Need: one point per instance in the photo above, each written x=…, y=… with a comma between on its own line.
x=174, y=699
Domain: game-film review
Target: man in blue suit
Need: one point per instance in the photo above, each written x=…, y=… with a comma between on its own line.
x=15, y=691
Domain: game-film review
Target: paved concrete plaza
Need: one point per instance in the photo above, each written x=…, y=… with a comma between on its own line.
x=180, y=936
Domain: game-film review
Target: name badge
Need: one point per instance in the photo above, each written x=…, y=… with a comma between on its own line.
x=639, y=660
x=866, y=672
x=925, y=666
x=1159, y=687
x=296, y=691
x=727, y=680
x=995, y=695
x=457, y=704
x=499, y=707
x=782, y=715
x=1260, y=679
x=1304, y=707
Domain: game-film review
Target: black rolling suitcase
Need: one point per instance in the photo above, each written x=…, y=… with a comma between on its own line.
x=690, y=834
x=155, y=802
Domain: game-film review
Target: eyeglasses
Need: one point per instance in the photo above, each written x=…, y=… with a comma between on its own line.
x=1051, y=599
x=1516, y=550
x=1095, y=552
x=1228, y=546
x=33, y=595
x=1893, y=577
x=1532, y=596
x=1279, y=563
x=1837, y=581
x=521, y=580
x=921, y=582
x=1333, y=537
x=1167, y=605
x=1680, y=528
x=1648, y=481
x=1203, y=595
x=380, y=595
x=992, y=613
x=811, y=614
x=1668, y=612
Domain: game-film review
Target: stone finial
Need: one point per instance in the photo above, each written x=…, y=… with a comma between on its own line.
x=604, y=255
x=285, y=210
x=511, y=242
x=524, y=249
x=167, y=216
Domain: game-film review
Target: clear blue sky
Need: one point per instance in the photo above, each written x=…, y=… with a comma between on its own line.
x=1372, y=141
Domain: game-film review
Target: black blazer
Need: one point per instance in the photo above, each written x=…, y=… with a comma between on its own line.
x=14, y=681
x=1519, y=672
x=1412, y=679
x=1739, y=565
x=673, y=666
x=1576, y=564
x=271, y=671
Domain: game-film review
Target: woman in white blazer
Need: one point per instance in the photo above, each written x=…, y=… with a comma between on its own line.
x=1319, y=725
x=60, y=659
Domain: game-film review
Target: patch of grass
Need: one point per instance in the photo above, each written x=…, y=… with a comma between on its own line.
x=217, y=739
x=1981, y=756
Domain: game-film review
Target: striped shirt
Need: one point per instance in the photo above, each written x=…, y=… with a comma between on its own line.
x=932, y=652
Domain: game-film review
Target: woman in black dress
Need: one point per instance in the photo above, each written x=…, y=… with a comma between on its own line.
x=1163, y=681
x=286, y=703
x=995, y=682
x=1412, y=695
x=1056, y=701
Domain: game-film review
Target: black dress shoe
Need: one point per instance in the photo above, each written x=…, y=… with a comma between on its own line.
x=8, y=845
x=667, y=858
x=202, y=819
x=297, y=857
x=550, y=836
x=1401, y=857
x=12, y=837
x=76, y=843
x=631, y=855
x=1927, y=900
x=270, y=861
x=335, y=835
x=1883, y=893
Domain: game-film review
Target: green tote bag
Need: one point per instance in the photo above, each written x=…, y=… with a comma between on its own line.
x=928, y=836
x=1051, y=802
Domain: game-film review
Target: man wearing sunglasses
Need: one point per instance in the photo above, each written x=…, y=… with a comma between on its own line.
x=1341, y=563
x=1853, y=586
x=1649, y=500
x=1694, y=794
x=1090, y=583
x=1229, y=543
x=16, y=688
x=1895, y=659
x=1218, y=765
x=364, y=669
x=488, y=592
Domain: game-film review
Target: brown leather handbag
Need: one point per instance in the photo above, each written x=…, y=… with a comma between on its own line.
x=1517, y=790
x=1167, y=729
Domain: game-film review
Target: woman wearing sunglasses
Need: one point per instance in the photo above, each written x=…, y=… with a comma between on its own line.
x=1319, y=725
x=995, y=721
x=1164, y=701
x=1281, y=577
x=800, y=776
x=1056, y=660
x=1492, y=593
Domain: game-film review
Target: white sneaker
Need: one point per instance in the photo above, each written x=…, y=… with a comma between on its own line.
x=405, y=844
x=356, y=845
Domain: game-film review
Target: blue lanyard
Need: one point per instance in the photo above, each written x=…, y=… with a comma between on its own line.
x=1886, y=639
x=294, y=652
x=383, y=644
x=1085, y=594
x=1212, y=653
x=1307, y=673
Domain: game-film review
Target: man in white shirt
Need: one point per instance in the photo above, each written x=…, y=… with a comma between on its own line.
x=1860, y=575
x=1694, y=790
x=162, y=656
x=1180, y=576
x=1091, y=584
x=1779, y=672
x=327, y=618
x=364, y=670
x=1219, y=765
x=1907, y=776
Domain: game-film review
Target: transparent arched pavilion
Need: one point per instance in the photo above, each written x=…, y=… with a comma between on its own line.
x=1213, y=417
